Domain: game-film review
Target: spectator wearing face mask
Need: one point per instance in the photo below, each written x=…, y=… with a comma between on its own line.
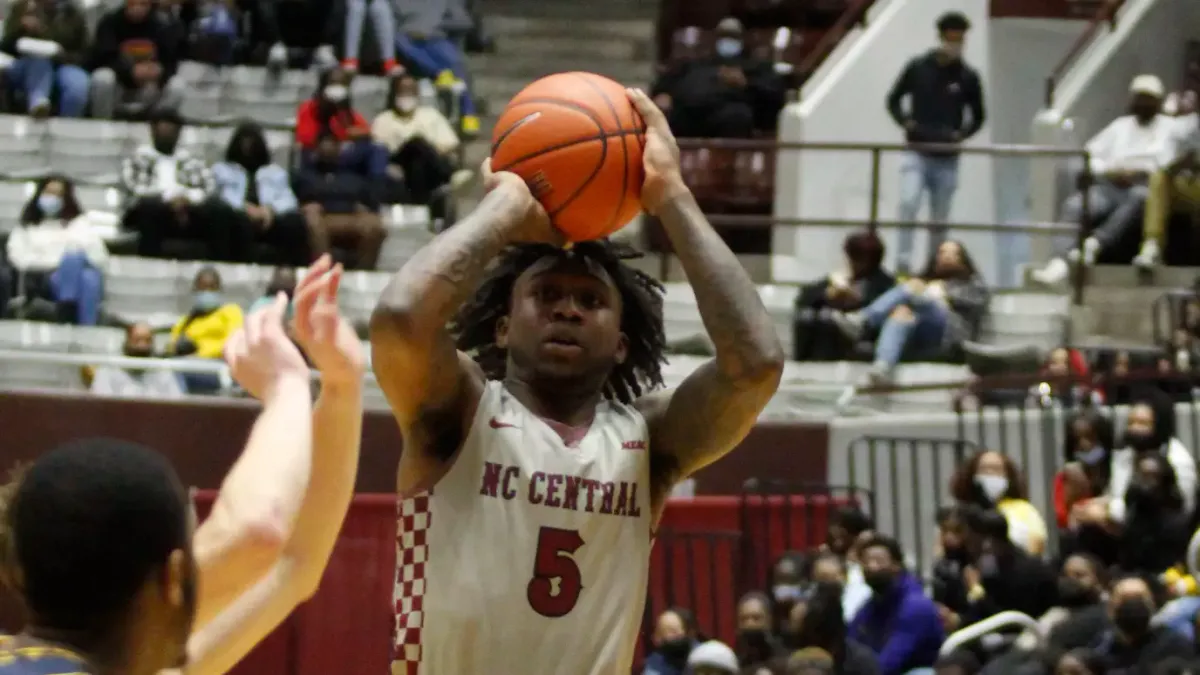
x=899, y=623
x=330, y=112
x=1088, y=449
x=712, y=658
x=674, y=638
x=991, y=480
x=950, y=559
x=1133, y=644
x=202, y=332
x=726, y=96
x=420, y=141
x=828, y=568
x=822, y=624
x=1157, y=529
x=847, y=525
x=1002, y=575
x=59, y=252
x=1123, y=157
x=1079, y=614
x=150, y=383
x=756, y=643
x=788, y=582
x=945, y=105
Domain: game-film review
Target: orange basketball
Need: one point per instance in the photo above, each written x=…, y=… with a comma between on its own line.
x=577, y=141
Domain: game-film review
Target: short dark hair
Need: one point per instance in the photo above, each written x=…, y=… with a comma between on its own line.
x=953, y=21
x=852, y=519
x=865, y=246
x=885, y=542
x=170, y=115
x=86, y=525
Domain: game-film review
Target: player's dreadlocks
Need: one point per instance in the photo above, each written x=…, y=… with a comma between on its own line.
x=641, y=313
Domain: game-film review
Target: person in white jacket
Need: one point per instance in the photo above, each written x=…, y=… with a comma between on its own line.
x=59, y=251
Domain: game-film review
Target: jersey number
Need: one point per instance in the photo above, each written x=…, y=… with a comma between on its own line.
x=555, y=560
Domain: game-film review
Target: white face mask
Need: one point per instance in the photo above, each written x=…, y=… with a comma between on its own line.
x=993, y=487
x=336, y=92
x=729, y=47
x=406, y=104
x=952, y=49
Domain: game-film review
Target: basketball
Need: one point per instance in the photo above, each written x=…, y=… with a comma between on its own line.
x=577, y=141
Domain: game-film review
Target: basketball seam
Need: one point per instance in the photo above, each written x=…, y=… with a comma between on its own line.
x=624, y=148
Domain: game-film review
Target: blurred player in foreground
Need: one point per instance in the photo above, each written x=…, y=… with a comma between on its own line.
x=100, y=542
x=552, y=460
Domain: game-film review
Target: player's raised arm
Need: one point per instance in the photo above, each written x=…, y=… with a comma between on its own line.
x=335, y=351
x=431, y=387
x=247, y=530
x=729, y=392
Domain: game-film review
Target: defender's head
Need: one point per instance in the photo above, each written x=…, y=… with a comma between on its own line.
x=575, y=319
x=97, y=537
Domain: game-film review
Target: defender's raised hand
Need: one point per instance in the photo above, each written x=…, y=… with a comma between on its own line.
x=326, y=337
x=260, y=355
x=660, y=156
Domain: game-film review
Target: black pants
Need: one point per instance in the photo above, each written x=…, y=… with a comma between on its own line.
x=288, y=236
x=728, y=119
x=425, y=169
x=226, y=233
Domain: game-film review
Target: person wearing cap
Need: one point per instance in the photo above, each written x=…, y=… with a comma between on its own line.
x=1123, y=158
x=1177, y=186
x=727, y=95
x=712, y=658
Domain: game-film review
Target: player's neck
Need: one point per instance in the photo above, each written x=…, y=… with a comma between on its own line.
x=105, y=655
x=562, y=405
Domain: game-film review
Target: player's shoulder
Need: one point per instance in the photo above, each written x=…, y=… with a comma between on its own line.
x=22, y=656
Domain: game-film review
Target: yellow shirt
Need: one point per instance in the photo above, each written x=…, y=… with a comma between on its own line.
x=210, y=331
x=1026, y=528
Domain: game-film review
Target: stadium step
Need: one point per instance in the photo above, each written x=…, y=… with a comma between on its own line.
x=499, y=23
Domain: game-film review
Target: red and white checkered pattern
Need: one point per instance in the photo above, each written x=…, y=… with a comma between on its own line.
x=412, y=553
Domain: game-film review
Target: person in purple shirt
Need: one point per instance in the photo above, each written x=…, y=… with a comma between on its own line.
x=899, y=623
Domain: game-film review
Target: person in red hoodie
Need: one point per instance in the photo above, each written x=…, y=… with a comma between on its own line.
x=330, y=112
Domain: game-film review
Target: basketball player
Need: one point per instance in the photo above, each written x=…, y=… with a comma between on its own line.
x=536, y=460
x=99, y=541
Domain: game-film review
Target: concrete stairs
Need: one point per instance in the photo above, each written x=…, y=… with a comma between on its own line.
x=1119, y=301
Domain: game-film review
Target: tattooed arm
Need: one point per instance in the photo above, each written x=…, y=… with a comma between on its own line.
x=729, y=392
x=433, y=389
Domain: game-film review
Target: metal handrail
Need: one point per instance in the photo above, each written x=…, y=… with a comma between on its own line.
x=989, y=625
x=830, y=39
x=1106, y=14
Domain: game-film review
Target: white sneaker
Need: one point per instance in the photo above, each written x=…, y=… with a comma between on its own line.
x=278, y=54
x=1055, y=272
x=1147, y=257
x=1091, y=250
x=461, y=179
x=324, y=57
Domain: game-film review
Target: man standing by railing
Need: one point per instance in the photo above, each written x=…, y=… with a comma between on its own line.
x=940, y=87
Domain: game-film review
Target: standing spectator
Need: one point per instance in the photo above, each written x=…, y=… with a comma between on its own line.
x=899, y=624
x=383, y=22
x=673, y=639
x=991, y=480
x=726, y=96
x=173, y=198
x=331, y=112
x=712, y=658
x=939, y=87
x=259, y=190
x=49, y=39
x=202, y=332
x=134, y=58
x=59, y=251
x=1133, y=645
x=1174, y=188
x=339, y=205
x=935, y=312
x=420, y=142
x=1124, y=155
x=152, y=383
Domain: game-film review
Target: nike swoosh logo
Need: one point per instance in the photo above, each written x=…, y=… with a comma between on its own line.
x=497, y=424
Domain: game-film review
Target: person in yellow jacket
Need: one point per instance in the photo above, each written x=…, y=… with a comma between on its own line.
x=202, y=332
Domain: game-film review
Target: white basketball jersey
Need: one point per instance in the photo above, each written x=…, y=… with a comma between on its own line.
x=529, y=557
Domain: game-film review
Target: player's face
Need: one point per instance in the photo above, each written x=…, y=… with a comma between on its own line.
x=564, y=322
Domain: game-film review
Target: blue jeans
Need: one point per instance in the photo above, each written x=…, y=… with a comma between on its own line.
x=432, y=56
x=919, y=174
x=37, y=76
x=365, y=157
x=1180, y=615
x=77, y=281
x=924, y=331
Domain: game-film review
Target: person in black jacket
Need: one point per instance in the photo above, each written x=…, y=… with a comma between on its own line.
x=1133, y=645
x=858, y=285
x=952, y=557
x=1002, y=576
x=1157, y=528
x=821, y=623
x=339, y=204
x=940, y=88
x=134, y=58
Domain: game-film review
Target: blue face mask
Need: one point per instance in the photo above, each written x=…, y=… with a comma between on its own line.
x=50, y=205
x=1091, y=457
x=206, y=301
x=729, y=47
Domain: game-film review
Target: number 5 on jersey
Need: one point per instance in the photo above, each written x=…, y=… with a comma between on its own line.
x=555, y=560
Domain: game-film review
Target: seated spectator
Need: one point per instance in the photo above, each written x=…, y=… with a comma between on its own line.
x=1133, y=644
x=991, y=480
x=1088, y=449
x=151, y=383
x=786, y=582
x=1002, y=576
x=59, y=252
x=420, y=142
x=848, y=528
x=259, y=190
x=283, y=280
x=1066, y=371
x=1157, y=528
x=673, y=639
x=712, y=658
x=202, y=332
x=331, y=113
x=383, y=22
x=756, y=643
x=1173, y=188
x=935, y=312
x=1081, y=662
x=1080, y=614
x=340, y=206
x=172, y=198
x=862, y=282
x=423, y=42
x=1119, y=389
x=823, y=625
x=729, y=95
x=950, y=560
x=1123, y=157
x=899, y=624
x=828, y=568
x=225, y=32
x=135, y=54
x=49, y=41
